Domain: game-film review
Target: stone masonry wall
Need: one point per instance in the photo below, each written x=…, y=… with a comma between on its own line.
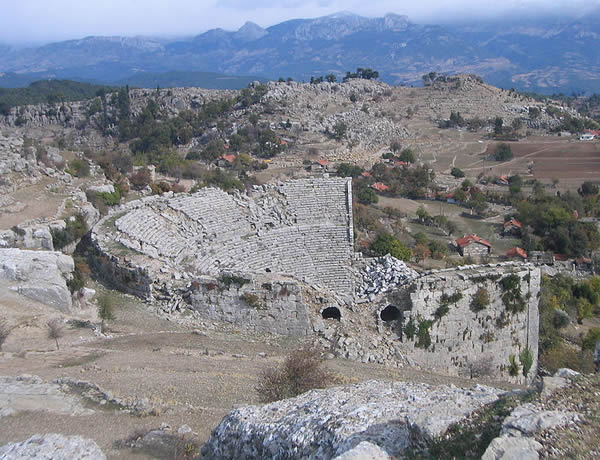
x=464, y=341
x=257, y=304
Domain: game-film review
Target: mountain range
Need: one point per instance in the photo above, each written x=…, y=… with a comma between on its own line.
x=547, y=55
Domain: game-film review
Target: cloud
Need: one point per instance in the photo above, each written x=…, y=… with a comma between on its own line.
x=36, y=20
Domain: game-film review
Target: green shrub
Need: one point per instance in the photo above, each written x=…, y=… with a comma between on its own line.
x=110, y=199
x=388, y=244
x=513, y=366
x=410, y=329
x=590, y=339
x=441, y=311
x=74, y=230
x=526, y=358
x=503, y=153
x=480, y=300
x=512, y=298
x=229, y=280
x=79, y=168
x=423, y=336
x=457, y=172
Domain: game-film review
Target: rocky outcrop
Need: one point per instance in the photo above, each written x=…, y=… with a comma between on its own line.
x=518, y=436
x=52, y=446
x=30, y=393
x=322, y=424
x=38, y=275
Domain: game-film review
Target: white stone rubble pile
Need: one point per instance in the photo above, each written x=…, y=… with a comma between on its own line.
x=382, y=275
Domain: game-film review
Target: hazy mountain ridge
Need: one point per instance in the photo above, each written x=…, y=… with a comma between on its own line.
x=550, y=55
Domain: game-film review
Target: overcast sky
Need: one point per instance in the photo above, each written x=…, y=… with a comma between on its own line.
x=49, y=20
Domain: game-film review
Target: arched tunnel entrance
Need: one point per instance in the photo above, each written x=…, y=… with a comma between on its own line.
x=332, y=313
x=390, y=313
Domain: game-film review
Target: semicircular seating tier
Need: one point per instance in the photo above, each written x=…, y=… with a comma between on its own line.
x=301, y=228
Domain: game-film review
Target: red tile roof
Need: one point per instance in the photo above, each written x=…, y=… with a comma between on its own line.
x=380, y=187
x=365, y=174
x=323, y=162
x=229, y=158
x=583, y=260
x=517, y=252
x=468, y=239
x=514, y=222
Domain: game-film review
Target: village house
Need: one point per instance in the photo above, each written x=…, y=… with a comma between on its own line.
x=512, y=228
x=226, y=160
x=472, y=245
x=502, y=180
x=380, y=187
x=517, y=253
x=320, y=166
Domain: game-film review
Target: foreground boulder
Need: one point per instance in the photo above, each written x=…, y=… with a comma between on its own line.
x=38, y=275
x=52, y=446
x=323, y=424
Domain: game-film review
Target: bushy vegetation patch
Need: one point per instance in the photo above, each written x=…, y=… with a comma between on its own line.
x=301, y=371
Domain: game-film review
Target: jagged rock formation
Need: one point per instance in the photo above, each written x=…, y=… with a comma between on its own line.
x=322, y=424
x=517, y=439
x=53, y=446
x=39, y=275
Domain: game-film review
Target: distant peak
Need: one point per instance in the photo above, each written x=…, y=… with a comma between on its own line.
x=250, y=31
x=342, y=15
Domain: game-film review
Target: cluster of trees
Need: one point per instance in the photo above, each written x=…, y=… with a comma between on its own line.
x=386, y=243
x=424, y=247
x=551, y=222
x=330, y=78
x=49, y=91
x=503, y=152
x=366, y=74
x=562, y=301
x=409, y=182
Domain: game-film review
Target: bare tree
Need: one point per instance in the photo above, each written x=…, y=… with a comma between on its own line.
x=56, y=330
x=5, y=331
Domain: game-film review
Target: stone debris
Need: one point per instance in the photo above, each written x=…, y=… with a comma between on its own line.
x=322, y=424
x=519, y=428
x=509, y=448
x=527, y=419
x=38, y=275
x=52, y=447
x=382, y=275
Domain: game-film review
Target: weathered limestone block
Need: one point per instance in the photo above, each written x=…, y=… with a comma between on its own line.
x=322, y=424
x=53, y=446
x=39, y=275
